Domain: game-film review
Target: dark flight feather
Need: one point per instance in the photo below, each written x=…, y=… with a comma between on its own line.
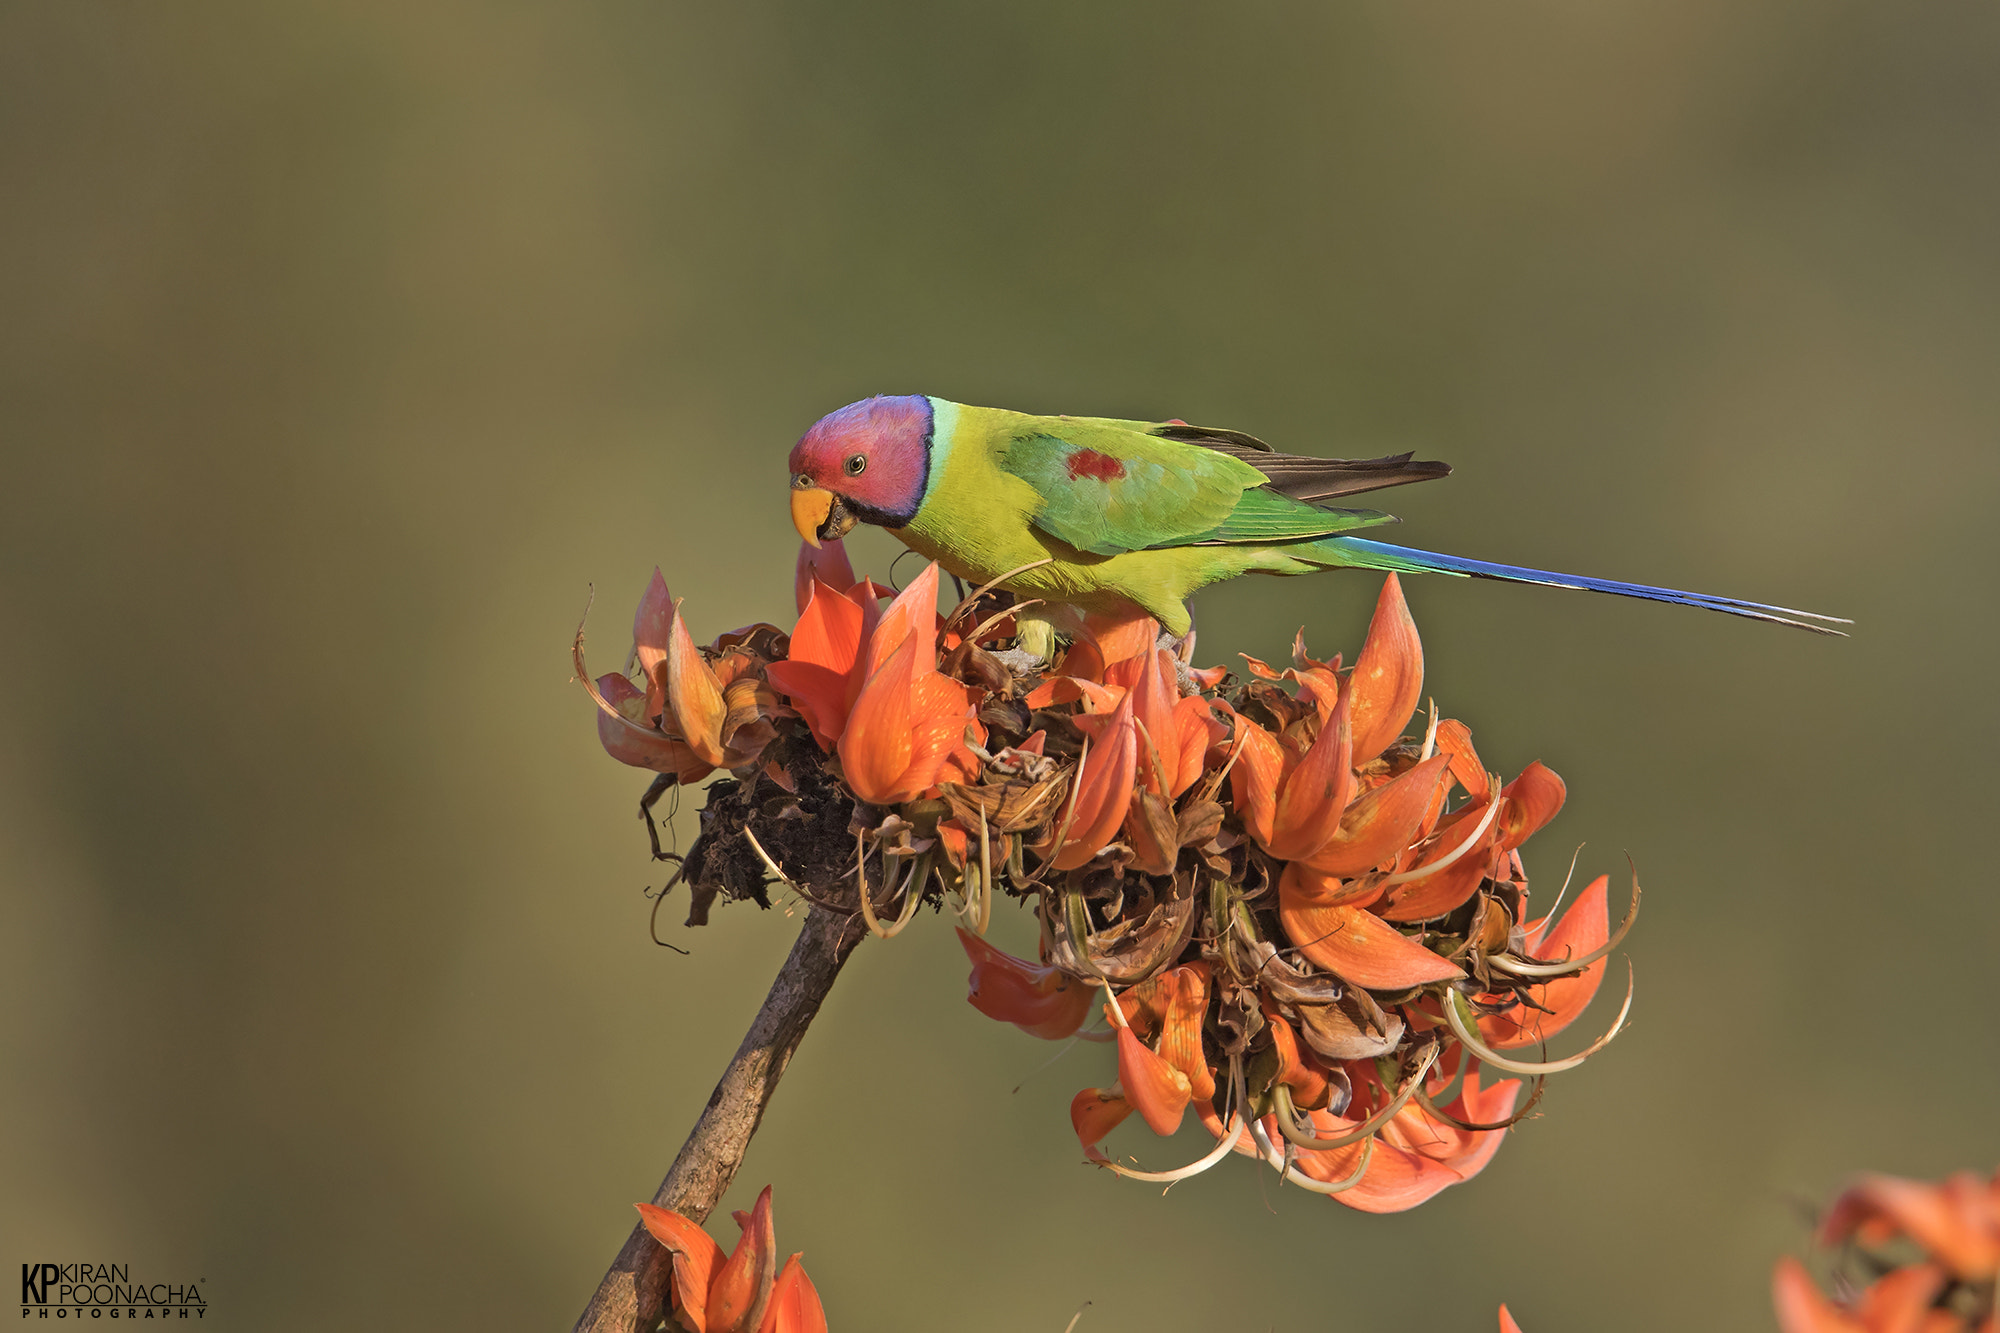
x=1305, y=478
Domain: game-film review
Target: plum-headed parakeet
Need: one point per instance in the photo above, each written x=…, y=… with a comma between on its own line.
x=1121, y=513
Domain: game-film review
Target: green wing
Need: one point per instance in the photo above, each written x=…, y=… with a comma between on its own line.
x=1111, y=486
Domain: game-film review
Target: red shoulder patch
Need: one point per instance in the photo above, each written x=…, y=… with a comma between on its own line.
x=1098, y=466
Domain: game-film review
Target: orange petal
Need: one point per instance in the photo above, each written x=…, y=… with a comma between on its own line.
x=1584, y=927
x=942, y=710
x=1154, y=696
x=1801, y=1308
x=1195, y=729
x=827, y=564
x=794, y=1306
x=1361, y=947
x=1532, y=801
x=1308, y=1086
x=1381, y=822
x=1416, y=1157
x=914, y=612
x=1454, y=739
x=694, y=695
x=1095, y=1112
x=1041, y=1001
x=1185, y=990
x=1083, y=661
x=875, y=748
x=1388, y=676
x=1313, y=796
x=651, y=624
x=1253, y=782
x=816, y=675
x=740, y=1291
x=1306, y=886
x=1157, y=1090
x=1121, y=636
x=696, y=1257
x=1104, y=784
x=1444, y=890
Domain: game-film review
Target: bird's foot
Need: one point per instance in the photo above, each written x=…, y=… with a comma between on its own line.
x=1020, y=661
x=1182, y=647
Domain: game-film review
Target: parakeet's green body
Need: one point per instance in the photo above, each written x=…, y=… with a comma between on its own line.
x=1163, y=530
x=1105, y=515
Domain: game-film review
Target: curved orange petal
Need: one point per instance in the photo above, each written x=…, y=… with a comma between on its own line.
x=1104, y=784
x=1583, y=928
x=1154, y=696
x=1041, y=1001
x=1801, y=1308
x=827, y=563
x=1185, y=990
x=1302, y=885
x=694, y=695
x=1360, y=947
x=1532, y=801
x=1313, y=796
x=696, y=1257
x=1454, y=739
x=794, y=1306
x=1382, y=822
x=876, y=746
x=1122, y=635
x=941, y=709
x=815, y=677
x=914, y=612
x=740, y=1291
x=1157, y=1090
x=1253, y=782
x=1308, y=1086
x=1446, y=889
x=1416, y=1157
x=1388, y=675
x=1095, y=1112
x=651, y=624
x=640, y=746
x=1195, y=729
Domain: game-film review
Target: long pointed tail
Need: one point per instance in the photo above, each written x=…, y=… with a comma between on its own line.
x=1360, y=553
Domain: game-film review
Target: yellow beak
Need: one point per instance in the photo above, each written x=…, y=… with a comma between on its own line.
x=810, y=507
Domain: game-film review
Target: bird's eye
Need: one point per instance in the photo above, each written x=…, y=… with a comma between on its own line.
x=857, y=464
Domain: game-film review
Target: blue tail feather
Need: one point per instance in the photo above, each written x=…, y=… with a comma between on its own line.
x=1360, y=553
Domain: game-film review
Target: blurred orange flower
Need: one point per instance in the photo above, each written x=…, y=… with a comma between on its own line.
x=1955, y=1227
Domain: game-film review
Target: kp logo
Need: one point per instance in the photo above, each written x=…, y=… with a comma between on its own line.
x=66, y=1291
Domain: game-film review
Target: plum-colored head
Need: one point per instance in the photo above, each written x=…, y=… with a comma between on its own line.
x=866, y=463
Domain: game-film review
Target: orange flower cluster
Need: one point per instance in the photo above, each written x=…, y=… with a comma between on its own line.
x=1305, y=925
x=1955, y=1227
x=744, y=1293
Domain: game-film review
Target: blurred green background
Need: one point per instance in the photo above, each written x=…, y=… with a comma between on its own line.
x=343, y=347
